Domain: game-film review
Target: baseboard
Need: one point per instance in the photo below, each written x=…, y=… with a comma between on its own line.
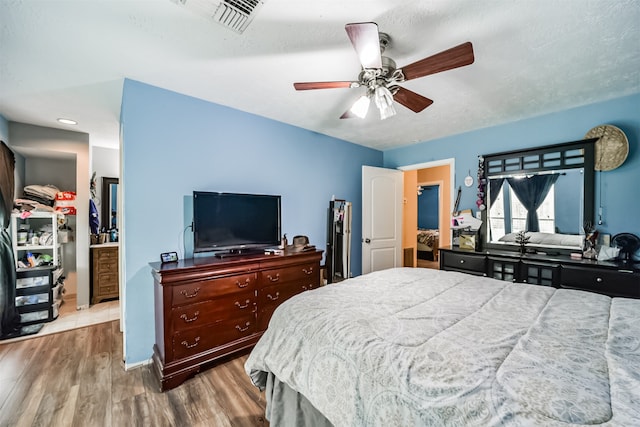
x=130, y=366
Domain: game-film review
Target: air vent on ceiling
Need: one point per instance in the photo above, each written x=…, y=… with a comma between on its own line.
x=233, y=14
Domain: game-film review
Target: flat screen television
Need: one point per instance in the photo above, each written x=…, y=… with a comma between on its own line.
x=235, y=223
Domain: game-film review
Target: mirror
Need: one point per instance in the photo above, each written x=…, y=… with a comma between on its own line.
x=556, y=221
x=547, y=192
x=109, y=214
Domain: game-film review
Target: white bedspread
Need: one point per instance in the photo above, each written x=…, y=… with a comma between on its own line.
x=419, y=347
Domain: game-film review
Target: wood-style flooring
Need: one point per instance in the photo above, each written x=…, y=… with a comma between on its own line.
x=76, y=378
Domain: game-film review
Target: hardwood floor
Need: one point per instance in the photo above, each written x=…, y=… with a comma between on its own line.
x=428, y=264
x=76, y=378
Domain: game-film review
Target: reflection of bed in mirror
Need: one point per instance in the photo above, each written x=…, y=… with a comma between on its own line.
x=547, y=239
x=428, y=242
x=547, y=192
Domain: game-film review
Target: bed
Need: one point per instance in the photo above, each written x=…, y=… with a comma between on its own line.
x=422, y=347
x=428, y=241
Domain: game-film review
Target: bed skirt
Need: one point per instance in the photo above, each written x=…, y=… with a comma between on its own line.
x=286, y=407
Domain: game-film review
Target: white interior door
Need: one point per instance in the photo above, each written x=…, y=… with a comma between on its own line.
x=382, y=196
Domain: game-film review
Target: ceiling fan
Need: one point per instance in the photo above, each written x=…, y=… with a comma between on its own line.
x=380, y=76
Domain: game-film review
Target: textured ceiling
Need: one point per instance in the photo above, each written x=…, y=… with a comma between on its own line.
x=69, y=59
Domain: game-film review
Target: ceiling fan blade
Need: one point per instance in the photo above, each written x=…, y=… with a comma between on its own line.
x=449, y=59
x=324, y=85
x=366, y=41
x=411, y=100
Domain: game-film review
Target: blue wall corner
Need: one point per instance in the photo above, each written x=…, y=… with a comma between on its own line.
x=174, y=144
x=4, y=129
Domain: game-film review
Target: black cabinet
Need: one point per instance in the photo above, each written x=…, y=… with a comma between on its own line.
x=609, y=278
x=538, y=273
x=38, y=295
x=621, y=282
x=467, y=262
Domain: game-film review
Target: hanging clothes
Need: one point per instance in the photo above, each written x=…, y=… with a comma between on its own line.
x=94, y=218
x=9, y=317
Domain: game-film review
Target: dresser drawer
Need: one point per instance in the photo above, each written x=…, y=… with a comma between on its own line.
x=227, y=307
x=193, y=341
x=107, y=290
x=270, y=297
x=609, y=282
x=466, y=263
x=106, y=279
x=287, y=274
x=207, y=289
x=106, y=254
x=276, y=294
x=105, y=266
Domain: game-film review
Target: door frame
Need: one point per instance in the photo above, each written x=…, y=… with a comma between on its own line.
x=451, y=162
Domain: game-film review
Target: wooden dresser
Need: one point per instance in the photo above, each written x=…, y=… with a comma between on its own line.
x=104, y=272
x=208, y=308
x=615, y=279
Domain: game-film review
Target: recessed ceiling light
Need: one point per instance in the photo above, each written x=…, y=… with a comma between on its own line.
x=68, y=121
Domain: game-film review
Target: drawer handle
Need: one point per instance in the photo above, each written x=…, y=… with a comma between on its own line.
x=461, y=261
x=243, y=306
x=599, y=279
x=186, y=294
x=274, y=278
x=273, y=298
x=187, y=345
x=307, y=272
x=246, y=327
x=187, y=320
x=243, y=285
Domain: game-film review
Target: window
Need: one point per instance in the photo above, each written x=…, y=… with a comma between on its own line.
x=496, y=216
x=517, y=222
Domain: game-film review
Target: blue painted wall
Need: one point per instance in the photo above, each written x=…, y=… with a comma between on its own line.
x=620, y=200
x=428, y=217
x=4, y=129
x=173, y=144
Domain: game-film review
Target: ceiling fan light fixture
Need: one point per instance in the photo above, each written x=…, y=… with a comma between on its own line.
x=361, y=106
x=384, y=101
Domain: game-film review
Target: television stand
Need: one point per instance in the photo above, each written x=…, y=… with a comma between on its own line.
x=210, y=308
x=239, y=252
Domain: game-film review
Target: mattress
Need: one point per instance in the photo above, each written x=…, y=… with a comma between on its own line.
x=419, y=347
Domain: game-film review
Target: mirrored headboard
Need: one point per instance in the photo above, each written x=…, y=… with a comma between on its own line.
x=545, y=191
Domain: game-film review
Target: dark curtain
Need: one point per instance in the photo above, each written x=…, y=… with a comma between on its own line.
x=8, y=314
x=531, y=192
x=494, y=189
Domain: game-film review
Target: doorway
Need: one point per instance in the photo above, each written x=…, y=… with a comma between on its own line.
x=439, y=173
x=429, y=206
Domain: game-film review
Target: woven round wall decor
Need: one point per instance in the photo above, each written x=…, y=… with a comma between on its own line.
x=612, y=148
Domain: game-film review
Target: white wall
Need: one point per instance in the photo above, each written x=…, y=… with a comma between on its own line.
x=58, y=172
x=105, y=162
